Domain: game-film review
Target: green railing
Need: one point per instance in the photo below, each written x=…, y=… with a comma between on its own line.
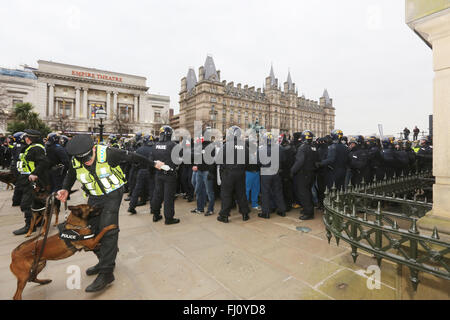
x=381, y=218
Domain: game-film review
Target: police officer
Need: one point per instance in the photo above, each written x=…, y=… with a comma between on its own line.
x=114, y=141
x=18, y=144
x=336, y=161
x=165, y=180
x=322, y=173
x=388, y=158
x=411, y=158
x=59, y=161
x=133, y=168
x=97, y=168
x=233, y=174
x=303, y=173
x=425, y=155
x=145, y=180
x=271, y=183
x=375, y=160
x=358, y=161
x=32, y=165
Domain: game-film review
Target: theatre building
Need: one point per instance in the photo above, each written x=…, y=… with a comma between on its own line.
x=67, y=98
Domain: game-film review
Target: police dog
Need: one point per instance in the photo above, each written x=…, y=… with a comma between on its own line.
x=9, y=178
x=22, y=257
x=41, y=193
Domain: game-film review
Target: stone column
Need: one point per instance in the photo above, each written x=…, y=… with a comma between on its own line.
x=109, y=110
x=437, y=29
x=51, y=100
x=135, y=109
x=115, y=106
x=85, y=113
x=77, y=103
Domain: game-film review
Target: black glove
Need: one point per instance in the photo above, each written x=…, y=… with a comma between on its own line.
x=318, y=165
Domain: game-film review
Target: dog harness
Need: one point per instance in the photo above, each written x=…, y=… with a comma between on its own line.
x=105, y=179
x=24, y=166
x=69, y=235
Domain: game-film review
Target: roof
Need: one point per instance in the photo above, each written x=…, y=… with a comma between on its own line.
x=17, y=73
x=289, y=81
x=327, y=97
x=210, y=69
x=272, y=76
x=191, y=79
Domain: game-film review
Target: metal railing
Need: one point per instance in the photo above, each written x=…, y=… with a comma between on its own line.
x=381, y=218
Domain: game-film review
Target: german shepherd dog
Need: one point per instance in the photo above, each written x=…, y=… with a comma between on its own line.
x=23, y=257
x=9, y=178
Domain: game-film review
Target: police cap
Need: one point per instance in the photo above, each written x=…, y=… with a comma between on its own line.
x=80, y=145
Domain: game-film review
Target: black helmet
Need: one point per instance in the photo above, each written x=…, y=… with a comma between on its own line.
x=138, y=136
x=307, y=136
x=113, y=138
x=235, y=131
x=337, y=135
x=386, y=142
x=32, y=134
x=52, y=138
x=165, y=133
x=147, y=138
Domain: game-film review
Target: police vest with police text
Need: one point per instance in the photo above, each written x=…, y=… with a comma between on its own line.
x=24, y=166
x=106, y=178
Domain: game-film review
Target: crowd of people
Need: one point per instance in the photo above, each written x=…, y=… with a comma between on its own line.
x=265, y=174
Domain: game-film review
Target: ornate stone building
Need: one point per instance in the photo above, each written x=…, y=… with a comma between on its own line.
x=67, y=96
x=221, y=104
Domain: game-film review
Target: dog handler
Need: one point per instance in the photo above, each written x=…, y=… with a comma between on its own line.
x=97, y=168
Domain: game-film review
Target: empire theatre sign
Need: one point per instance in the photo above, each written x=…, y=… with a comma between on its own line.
x=97, y=76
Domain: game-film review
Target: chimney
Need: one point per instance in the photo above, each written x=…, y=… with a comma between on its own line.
x=183, y=84
x=218, y=75
x=239, y=86
x=201, y=73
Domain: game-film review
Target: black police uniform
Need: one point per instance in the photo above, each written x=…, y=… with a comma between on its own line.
x=271, y=184
x=303, y=173
x=336, y=161
x=321, y=173
x=145, y=181
x=165, y=182
x=59, y=164
x=425, y=158
x=28, y=201
x=233, y=187
x=359, y=166
x=110, y=204
x=388, y=161
x=15, y=153
x=401, y=163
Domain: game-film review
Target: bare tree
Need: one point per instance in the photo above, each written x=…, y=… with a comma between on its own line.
x=63, y=124
x=164, y=118
x=120, y=126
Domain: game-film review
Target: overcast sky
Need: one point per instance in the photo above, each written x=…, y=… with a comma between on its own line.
x=374, y=67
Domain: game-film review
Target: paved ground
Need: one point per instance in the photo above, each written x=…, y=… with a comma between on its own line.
x=201, y=258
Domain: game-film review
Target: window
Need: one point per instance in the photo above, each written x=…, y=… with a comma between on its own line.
x=157, y=117
x=94, y=107
x=64, y=108
x=16, y=101
x=125, y=112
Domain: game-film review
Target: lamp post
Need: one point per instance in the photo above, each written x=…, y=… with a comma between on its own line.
x=101, y=114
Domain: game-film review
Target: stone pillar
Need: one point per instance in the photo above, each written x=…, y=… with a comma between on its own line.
x=108, y=105
x=436, y=29
x=115, y=106
x=77, y=104
x=85, y=113
x=51, y=100
x=135, y=109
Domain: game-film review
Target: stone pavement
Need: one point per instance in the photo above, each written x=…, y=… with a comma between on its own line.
x=201, y=258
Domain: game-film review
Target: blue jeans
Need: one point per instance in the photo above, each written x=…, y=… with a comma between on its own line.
x=204, y=187
x=253, y=186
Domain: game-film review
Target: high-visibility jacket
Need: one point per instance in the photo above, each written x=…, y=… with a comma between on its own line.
x=23, y=165
x=106, y=178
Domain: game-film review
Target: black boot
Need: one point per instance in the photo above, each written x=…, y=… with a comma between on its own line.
x=24, y=229
x=100, y=283
x=222, y=219
x=156, y=217
x=307, y=217
x=245, y=217
x=263, y=215
x=132, y=211
x=92, y=270
x=172, y=221
x=282, y=214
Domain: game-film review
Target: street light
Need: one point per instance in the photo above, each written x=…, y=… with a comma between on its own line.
x=100, y=114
